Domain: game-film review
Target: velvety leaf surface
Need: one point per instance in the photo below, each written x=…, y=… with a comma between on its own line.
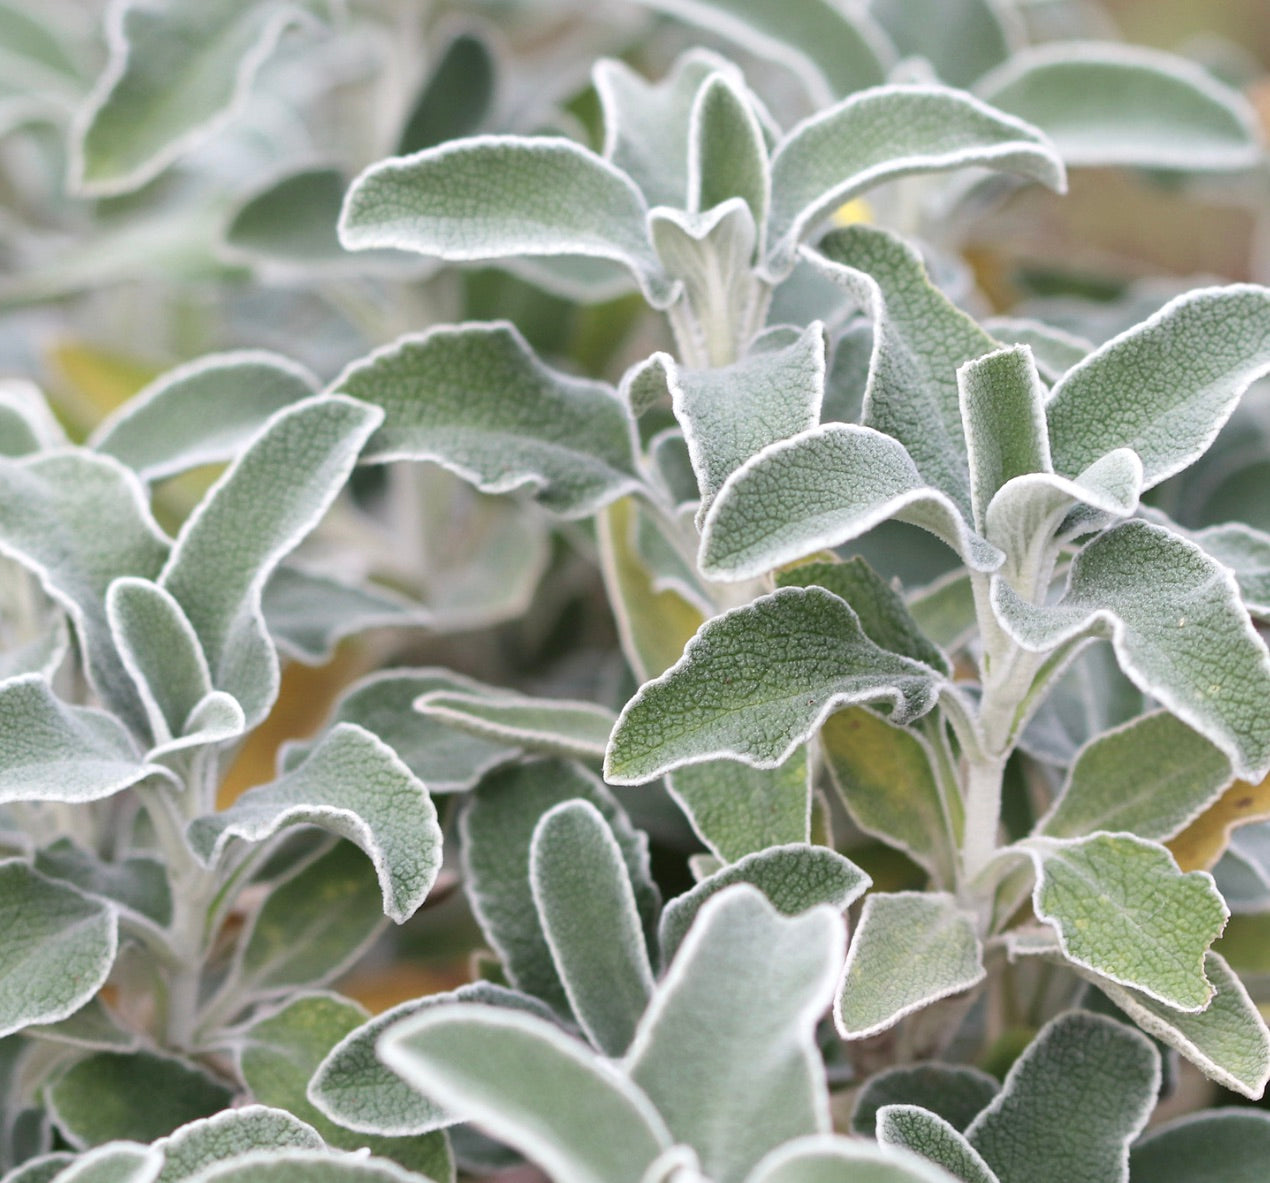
x=1247, y=553
x=308, y=1166
x=236, y=1131
x=1214, y=1146
x=930, y=1136
x=289, y=222
x=727, y=155
x=561, y=727
x=822, y=1159
x=954, y=1092
x=138, y=883
x=116, y=1162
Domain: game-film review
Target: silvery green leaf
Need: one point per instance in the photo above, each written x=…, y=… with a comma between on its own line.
x=42, y=655
x=201, y=413
x=646, y=124
x=495, y=832
x=92, y=1028
x=115, y=1162
x=566, y=440
x=955, y=1092
x=833, y=1159
x=884, y=617
x=137, y=883
x=58, y=949
x=793, y=877
x=383, y=703
x=1247, y=553
x=961, y=39
x=666, y=545
x=140, y=1095
x=1178, y=627
x=259, y=510
x=930, y=1136
x=726, y=1051
x=1173, y=381
x=187, y=1150
x=176, y=75
x=944, y=611
x=756, y=683
x=727, y=154
x=40, y=1169
x=818, y=490
x=354, y=1087
x=731, y=412
x=78, y=521
x=1104, y=103
x=307, y=614
x=533, y=1087
x=1212, y=1146
x=1071, y=1104
x=1151, y=777
x=50, y=751
x=1054, y=350
x=1228, y=1039
x=647, y=385
x=488, y=197
x=289, y=222
x=561, y=727
x=460, y=90
x=886, y=133
x=910, y=949
x=885, y=777
x=833, y=48
x=309, y=1166
x=920, y=338
x=1122, y=908
x=586, y=906
x=736, y=809
x=26, y=423
x=355, y=786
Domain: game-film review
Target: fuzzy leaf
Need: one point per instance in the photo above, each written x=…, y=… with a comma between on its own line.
x=1054, y=350
x=444, y=393
x=909, y=950
x=561, y=727
x=310, y=1166
x=26, y=423
x=821, y=1159
x=726, y=1051
x=736, y=809
x=754, y=684
x=1164, y=387
x=793, y=877
x=458, y=95
x=490, y=197
x=201, y=413
x=353, y=785
x=1108, y=104
x=1213, y=1146
x=58, y=949
x=137, y=883
x=1178, y=628
x=586, y=906
x=1247, y=553
x=962, y=39
x=202, y=1143
x=727, y=155
x=954, y=1092
x=1150, y=777
x=1122, y=908
x=495, y=833
x=115, y=1162
x=1071, y=1104
x=289, y=222
x=885, y=133
x=533, y=1087
x=930, y=1136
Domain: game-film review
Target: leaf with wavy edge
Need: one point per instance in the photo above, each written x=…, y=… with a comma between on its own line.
x=755, y=683
x=955, y=1092
x=1212, y=1146
x=308, y=1166
x=210, y=1140
x=1247, y=553
x=555, y=726
x=930, y=1136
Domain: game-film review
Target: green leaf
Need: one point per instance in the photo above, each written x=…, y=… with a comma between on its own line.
x=952, y=1091
x=556, y=726
x=533, y=1087
x=920, y=339
x=50, y=751
x=41, y=1169
x=354, y=1087
x=290, y=222
x=910, y=949
x=91, y=1028
x=832, y=51
x=139, y=1095
x=586, y=906
x=822, y=1159
x=962, y=39
x=736, y=809
x=490, y=197
x=176, y=76
x=77, y=522
x=1228, y=1039
x=171, y=426
x=794, y=878
x=1172, y=381
x=58, y=949
x=1071, y=1104
x=1247, y=553
x=930, y=1136
x=1212, y=1146
x=1122, y=908
x=1151, y=777
x=138, y=883
x=310, y=1166
x=566, y=440
x=355, y=786
x=495, y=832
x=1104, y=103
x=202, y=1143
x=885, y=777
x=383, y=704
x=756, y=683
x=727, y=155
x=886, y=133
x=457, y=96
x=1178, y=627
x=116, y=1162
x=726, y=1051
x=26, y=423
x=273, y=495
x=1054, y=350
